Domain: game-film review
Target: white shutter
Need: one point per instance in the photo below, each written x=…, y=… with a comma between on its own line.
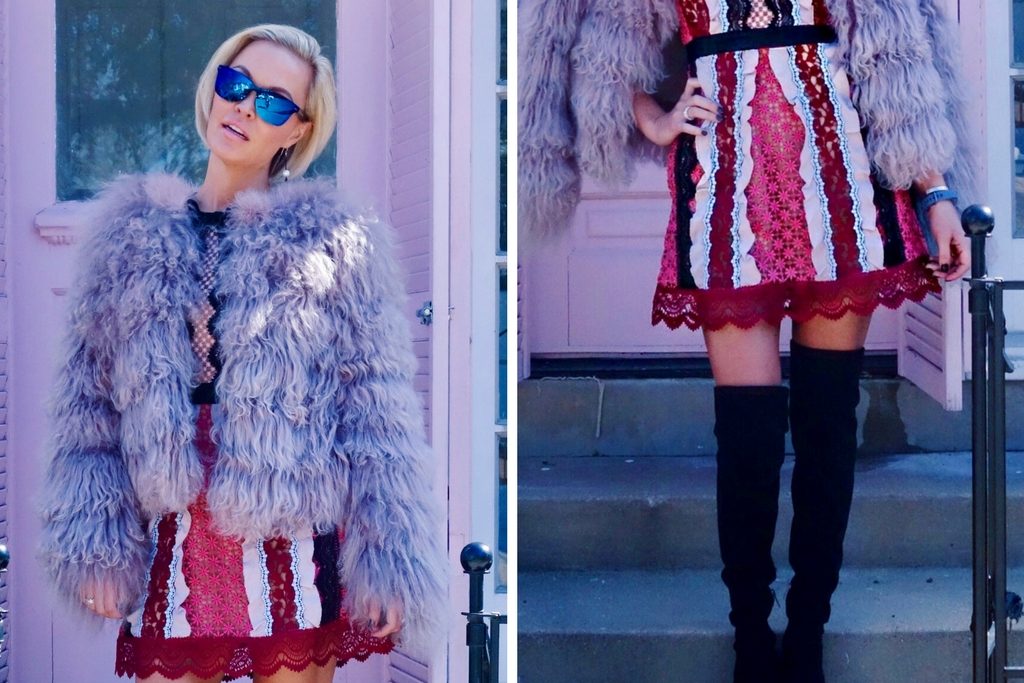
x=931, y=345
x=409, y=164
x=410, y=205
x=934, y=336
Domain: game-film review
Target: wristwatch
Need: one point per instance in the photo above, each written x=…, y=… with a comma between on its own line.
x=935, y=195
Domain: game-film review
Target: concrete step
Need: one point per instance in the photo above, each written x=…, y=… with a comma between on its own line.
x=653, y=417
x=887, y=626
x=659, y=512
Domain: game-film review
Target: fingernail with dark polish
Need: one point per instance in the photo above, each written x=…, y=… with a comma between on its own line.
x=944, y=267
x=703, y=132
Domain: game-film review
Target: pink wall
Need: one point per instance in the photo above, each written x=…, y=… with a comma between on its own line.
x=35, y=270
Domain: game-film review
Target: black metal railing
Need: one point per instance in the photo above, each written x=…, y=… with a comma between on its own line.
x=482, y=637
x=989, y=366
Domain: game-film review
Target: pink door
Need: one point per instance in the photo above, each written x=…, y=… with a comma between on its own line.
x=388, y=164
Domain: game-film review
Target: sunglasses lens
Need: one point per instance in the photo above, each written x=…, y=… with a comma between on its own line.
x=232, y=85
x=275, y=110
x=273, y=118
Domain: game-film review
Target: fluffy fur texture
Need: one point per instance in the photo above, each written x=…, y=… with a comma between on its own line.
x=583, y=59
x=579, y=63
x=903, y=59
x=549, y=176
x=322, y=423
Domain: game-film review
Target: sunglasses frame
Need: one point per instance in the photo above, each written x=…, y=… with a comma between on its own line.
x=263, y=96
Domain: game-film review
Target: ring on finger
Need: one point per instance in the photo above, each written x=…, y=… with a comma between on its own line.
x=686, y=112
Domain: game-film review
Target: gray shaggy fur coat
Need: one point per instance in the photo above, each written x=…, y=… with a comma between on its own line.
x=580, y=61
x=322, y=425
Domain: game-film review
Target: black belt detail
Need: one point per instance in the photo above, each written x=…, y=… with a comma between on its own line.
x=751, y=39
x=684, y=164
x=894, y=251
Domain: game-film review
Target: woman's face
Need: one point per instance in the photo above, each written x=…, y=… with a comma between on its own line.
x=273, y=67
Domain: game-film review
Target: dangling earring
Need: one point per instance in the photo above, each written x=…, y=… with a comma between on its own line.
x=280, y=161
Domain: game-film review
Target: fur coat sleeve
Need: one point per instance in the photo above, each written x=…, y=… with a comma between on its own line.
x=91, y=524
x=904, y=61
x=581, y=61
x=392, y=549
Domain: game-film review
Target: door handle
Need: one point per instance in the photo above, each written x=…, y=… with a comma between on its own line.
x=426, y=313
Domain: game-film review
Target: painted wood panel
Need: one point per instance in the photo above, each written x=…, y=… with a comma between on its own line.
x=409, y=186
x=410, y=203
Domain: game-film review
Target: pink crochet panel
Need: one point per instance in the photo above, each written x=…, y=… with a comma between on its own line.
x=212, y=563
x=775, y=197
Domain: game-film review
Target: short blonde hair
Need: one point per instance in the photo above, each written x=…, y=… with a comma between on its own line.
x=321, y=103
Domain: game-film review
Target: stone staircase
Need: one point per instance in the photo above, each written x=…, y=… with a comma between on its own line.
x=618, y=552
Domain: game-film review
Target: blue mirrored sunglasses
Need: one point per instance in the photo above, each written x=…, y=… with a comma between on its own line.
x=272, y=107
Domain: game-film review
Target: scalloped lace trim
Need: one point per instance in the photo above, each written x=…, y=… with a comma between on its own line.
x=713, y=309
x=234, y=657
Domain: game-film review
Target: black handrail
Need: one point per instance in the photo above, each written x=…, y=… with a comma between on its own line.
x=989, y=366
x=484, y=647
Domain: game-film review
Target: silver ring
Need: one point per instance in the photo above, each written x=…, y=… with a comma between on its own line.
x=686, y=112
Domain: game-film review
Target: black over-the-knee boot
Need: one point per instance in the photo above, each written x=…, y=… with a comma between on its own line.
x=824, y=392
x=750, y=425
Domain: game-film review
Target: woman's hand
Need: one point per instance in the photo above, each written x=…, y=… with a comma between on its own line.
x=101, y=597
x=392, y=623
x=954, y=250
x=661, y=127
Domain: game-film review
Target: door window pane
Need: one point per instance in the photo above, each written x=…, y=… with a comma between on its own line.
x=1018, y=32
x=1018, y=156
x=503, y=176
x=502, y=346
x=127, y=75
x=501, y=561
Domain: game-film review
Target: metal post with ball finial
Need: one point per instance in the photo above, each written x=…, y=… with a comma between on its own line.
x=994, y=605
x=483, y=642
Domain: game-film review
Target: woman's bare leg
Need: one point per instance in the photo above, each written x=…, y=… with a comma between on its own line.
x=157, y=678
x=744, y=357
x=846, y=334
x=325, y=674
x=311, y=674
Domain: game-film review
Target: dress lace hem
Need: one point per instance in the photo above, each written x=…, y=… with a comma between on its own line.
x=713, y=309
x=233, y=656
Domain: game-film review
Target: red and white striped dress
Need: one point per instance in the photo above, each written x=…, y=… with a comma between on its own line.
x=214, y=604
x=777, y=212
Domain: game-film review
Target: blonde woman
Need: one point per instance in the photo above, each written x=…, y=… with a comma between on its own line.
x=238, y=465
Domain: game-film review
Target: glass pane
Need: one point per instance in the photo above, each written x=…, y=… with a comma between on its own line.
x=502, y=176
x=501, y=562
x=502, y=345
x=127, y=73
x=1018, y=31
x=503, y=42
x=1018, y=157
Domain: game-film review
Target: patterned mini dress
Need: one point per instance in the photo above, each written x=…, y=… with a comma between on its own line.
x=776, y=211
x=214, y=604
